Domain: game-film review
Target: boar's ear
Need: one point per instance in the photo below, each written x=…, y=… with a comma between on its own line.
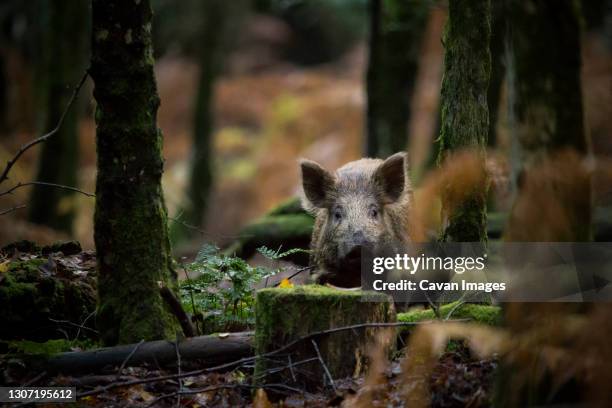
x=317, y=182
x=392, y=176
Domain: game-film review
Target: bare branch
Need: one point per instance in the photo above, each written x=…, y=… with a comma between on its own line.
x=12, y=209
x=136, y=347
x=69, y=323
x=252, y=358
x=327, y=373
x=178, y=372
x=27, y=146
x=44, y=183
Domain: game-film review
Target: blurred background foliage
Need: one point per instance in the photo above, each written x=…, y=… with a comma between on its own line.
x=247, y=87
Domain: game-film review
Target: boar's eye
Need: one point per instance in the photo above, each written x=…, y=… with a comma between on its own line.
x=373, y=212
x=337, y=214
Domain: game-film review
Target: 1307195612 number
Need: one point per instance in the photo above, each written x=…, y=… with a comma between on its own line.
x=37, y=394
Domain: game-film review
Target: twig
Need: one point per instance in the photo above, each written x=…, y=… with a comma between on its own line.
x=83, y=324
x=188, y=226
x=136, y=347
x=327, y=373
x=35, y=379
x=294, y=274
x=177, y=310
x=8, y=210
x=79, y=326
x=44, y=183
x=435, y=307
x=193, y=307
x=459, y=303
x=178, y=372
x=220, y=387
x=252, y=358
x=46, y=136
x=291, y=368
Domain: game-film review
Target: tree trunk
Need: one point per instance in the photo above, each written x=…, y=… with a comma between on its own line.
x=549, y=99
x=465, y=117
x=549, y=119
x=62, y=45
x=215, y=39
x=396, y=34
x=130, y=228
x=551, y=145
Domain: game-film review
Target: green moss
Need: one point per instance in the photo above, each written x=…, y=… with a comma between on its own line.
x=47, y=348
x=290, y=206
x=29, y=297
x=485, y=314
x=283, y=225
x=285, y=314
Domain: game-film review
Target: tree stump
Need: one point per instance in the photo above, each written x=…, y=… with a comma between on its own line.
x=288, y=317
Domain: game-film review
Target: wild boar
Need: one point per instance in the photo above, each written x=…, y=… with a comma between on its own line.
x=365, y=204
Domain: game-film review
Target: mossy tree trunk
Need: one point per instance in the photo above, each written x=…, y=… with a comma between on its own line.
x=465, y=116
x=396, y=34
x=130, y=228
x=548, y=108
x=62, y=54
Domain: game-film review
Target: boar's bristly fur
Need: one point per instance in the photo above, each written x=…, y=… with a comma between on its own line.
x=365, y=204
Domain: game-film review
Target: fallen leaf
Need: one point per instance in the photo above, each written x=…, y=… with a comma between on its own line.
x=4, y=266
x=285, y=283
x=261, y=399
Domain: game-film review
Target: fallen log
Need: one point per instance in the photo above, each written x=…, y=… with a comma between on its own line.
x=209, y=350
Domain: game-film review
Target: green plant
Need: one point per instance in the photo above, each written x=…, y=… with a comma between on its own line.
x=275, y=255
x=222, y=293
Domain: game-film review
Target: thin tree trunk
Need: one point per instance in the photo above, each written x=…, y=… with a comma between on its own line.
x=396, y=34
x=130, y=229
x=62, y=46
x=215, y=39
x=465, y=117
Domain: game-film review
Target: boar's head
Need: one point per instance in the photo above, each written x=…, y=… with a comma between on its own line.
x=364, y=205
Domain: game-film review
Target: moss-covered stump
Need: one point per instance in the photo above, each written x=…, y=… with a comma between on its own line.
x=46, y=296
x=284, y=315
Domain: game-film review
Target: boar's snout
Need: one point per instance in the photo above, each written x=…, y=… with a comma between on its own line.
x=351, y=251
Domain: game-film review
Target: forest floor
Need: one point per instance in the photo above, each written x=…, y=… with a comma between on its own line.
x=458, y=379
